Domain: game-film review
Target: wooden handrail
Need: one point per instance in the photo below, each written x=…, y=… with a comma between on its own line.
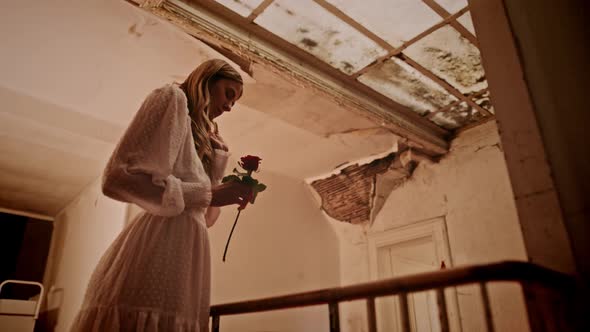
x=504, y=271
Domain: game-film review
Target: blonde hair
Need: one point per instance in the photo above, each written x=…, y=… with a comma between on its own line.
x=196, y=89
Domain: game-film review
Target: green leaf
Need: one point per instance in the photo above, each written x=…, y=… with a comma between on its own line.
x=253, y=199
x=260, y=187
x=249, y=181
x=230, y=178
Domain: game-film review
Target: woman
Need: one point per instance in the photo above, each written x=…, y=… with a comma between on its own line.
x=170, y=161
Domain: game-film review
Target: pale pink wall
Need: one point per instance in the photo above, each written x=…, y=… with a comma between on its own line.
x=281, y=245
x=83, y=231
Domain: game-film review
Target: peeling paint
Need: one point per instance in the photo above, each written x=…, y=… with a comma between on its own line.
x=464, y=70
x=451, y=57
x=457, y=116
x=311, y=27
x=485, y=102
x=403, y=84
x=356, y=193
x=310, y=43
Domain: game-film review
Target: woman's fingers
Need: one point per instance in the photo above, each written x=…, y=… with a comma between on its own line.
x=230, y=193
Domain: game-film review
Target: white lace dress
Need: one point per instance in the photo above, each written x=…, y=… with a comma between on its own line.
x=155, y=276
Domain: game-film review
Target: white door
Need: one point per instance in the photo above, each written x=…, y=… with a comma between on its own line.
x=409, y=250
x=406, y=258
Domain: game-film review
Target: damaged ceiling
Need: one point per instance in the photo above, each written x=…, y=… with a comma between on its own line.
x=356, y=193
x=413, y=65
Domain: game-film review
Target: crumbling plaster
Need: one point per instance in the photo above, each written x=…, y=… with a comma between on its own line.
x=470, y=189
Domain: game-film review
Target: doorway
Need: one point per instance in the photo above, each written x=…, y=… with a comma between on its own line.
x=407, y=250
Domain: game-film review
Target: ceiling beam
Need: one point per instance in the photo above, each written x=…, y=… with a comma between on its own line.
x=258, y=10
x=454, y=23
x=208, y=20
x=411, y=42
x=444, y=84
x=353, y=23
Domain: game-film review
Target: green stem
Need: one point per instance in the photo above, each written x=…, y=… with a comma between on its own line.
x=230, y=233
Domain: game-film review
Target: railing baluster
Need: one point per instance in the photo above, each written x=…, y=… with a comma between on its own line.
x=486, y=306
x=215, y=323
x=442, y=309
x=404, y=312
x=371, y=315
x=334, y=317
x=523, y=272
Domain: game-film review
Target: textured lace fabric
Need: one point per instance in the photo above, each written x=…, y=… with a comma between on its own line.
x=155, y=276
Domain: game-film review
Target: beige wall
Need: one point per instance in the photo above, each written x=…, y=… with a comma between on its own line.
x=470, y=189
x=83, y=231
x=281, y=245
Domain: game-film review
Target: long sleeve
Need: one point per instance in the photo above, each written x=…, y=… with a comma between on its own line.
x=140, y=169
x=219, y=165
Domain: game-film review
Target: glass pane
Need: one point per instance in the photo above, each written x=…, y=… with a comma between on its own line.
x=395, y=21
x=403, y=84
x=456, y=117
x=452, y=6
x=242, y=7
x=466, y=21
x=451, y=57
x=312, y=28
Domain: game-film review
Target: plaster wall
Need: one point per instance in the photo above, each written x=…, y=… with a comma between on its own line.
x=470, y=190
x=281, y=245
x=82, y=232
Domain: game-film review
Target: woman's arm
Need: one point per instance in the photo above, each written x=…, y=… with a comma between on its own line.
x=140, y=169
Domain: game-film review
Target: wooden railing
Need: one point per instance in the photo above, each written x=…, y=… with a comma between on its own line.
x=531, y=277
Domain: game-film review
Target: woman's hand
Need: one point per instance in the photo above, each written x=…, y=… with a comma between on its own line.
x=230, y=193
x=217, y=142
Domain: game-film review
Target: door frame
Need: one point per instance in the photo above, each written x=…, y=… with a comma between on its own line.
x=434, y=228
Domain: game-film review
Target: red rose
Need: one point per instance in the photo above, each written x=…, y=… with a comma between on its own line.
x=250, y=163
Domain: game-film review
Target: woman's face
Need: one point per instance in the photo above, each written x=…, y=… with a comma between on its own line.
x=224, y=93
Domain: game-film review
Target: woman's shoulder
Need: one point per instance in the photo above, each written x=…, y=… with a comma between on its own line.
x=168, y=92
x=160, y=99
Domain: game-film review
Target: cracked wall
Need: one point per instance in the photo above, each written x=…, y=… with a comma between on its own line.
x=357, y=192
x=470, y=189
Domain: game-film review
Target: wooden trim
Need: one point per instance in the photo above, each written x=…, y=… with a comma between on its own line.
x=27, y=214
x=443, y=315
x=334, y=312
x=411, y=42
x=515, y=271
x=258, y=10
x=353, y=23
x=371, y=315
x=454, y=23
x=485, y=298
x=209, y=20
x=474, y=124
x=444, y=84
x=404, y=312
